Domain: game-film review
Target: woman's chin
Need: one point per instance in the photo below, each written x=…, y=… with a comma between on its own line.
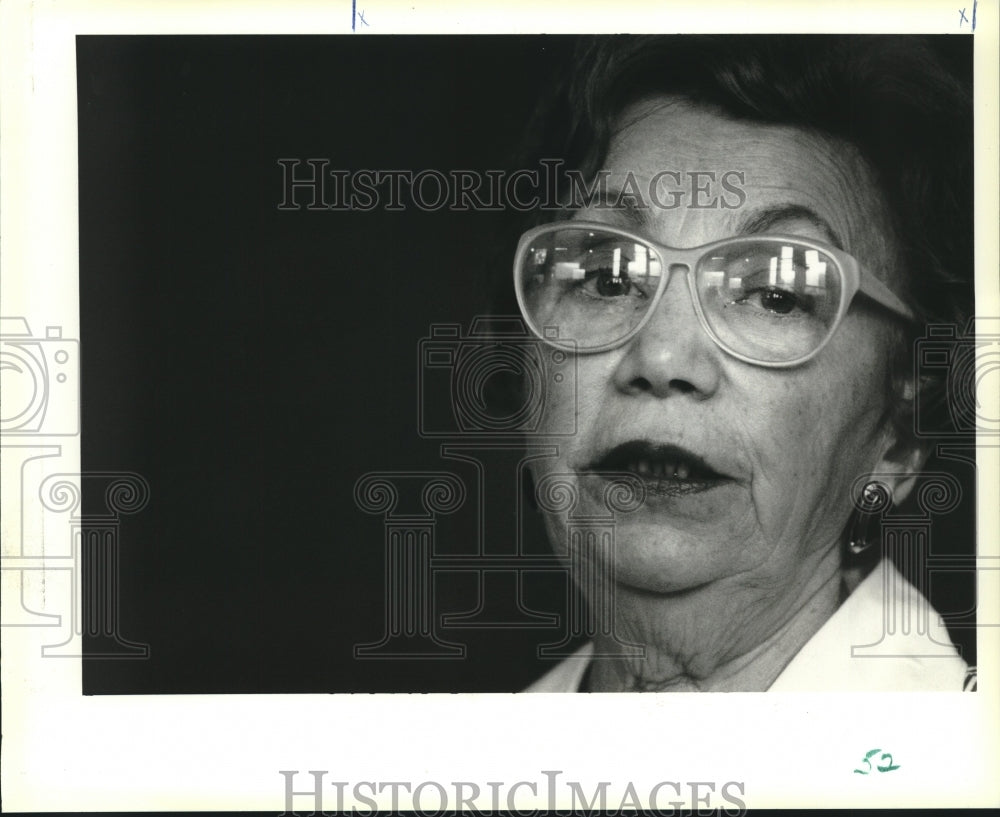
x=659, y=580
x=655, y=567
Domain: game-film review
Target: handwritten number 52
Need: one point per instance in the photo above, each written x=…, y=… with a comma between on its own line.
x=887, y=766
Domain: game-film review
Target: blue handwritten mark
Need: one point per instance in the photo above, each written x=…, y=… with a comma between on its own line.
x=886, y=757
x=357, y=15
x=963, y=19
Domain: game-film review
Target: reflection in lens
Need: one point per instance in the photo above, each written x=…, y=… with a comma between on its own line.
x=592, y=287
x=769, y=300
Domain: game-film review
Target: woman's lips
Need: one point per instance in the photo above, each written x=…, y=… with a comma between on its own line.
x=665, y=470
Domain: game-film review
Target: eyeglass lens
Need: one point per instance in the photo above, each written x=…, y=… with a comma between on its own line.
x=766, y=299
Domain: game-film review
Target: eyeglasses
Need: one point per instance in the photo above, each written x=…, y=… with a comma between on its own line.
x=768, y=300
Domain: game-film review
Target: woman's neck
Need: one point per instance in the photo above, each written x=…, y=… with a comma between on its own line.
x=726, y=636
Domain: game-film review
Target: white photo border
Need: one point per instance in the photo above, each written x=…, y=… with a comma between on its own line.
x=63, y=751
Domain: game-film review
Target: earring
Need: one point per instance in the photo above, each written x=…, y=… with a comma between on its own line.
x=874, y=499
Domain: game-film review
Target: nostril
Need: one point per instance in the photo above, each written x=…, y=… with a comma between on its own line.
x=682, y=386
x=641, y=384
x=677, y=385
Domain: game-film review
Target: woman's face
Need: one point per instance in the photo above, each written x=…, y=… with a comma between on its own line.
x=783, y=446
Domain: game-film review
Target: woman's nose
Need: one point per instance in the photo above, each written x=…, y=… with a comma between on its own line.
x=672, y=353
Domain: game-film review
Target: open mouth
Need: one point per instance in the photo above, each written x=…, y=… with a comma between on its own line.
x=664, y=469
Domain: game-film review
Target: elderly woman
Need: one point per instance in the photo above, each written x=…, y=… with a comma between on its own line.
x=764, y=227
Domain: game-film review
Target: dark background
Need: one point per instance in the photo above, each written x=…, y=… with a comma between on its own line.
x=252, y=364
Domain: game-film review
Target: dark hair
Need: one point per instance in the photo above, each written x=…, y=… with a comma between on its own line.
x=904, y=102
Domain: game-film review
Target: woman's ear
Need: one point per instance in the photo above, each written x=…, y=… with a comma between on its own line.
x=901, y=463
x=904, y=454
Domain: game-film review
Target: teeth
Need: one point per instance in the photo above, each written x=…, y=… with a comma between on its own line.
x=661, y=470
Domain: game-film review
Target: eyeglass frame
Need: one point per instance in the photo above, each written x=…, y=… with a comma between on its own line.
x=855, y=279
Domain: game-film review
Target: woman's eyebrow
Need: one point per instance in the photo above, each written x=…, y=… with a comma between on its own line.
x=756, y=222
x=633, y=213
x=763, y=220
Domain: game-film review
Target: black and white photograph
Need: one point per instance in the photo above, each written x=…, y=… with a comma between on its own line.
x=359, y=383
x=363, y=477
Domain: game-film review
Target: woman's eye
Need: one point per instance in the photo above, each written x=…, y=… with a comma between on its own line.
x=774, y=300
x=608, y=284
